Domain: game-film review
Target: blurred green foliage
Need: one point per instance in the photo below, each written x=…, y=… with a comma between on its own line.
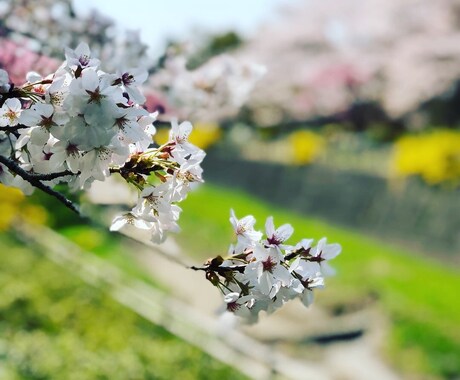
x=215, y=45
x=52, y=326
x=419, y=296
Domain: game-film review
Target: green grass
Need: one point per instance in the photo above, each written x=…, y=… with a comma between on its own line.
x=418, y=295
x=53, y=326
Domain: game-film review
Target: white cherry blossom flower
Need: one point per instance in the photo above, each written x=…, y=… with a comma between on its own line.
x=40, y=157
x=80, y=57
x=129, y=219
x=316, y=260
x=126, y=120
x=129, y=81
x=278, y=236
x=46, y=119
x=244, y=230
x=267, y=272
x=10, y=113
x=67, y=152
x=307, y=294
x=238, y=305
x=95, y=163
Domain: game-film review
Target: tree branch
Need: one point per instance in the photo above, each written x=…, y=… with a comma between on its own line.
x=50, y=176
x=13, y=129
x=34, y=181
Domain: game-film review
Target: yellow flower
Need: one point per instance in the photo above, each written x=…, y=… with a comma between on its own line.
x=306, y=146
x=10, y=195
x=205, y=134
x=434, y=156
x=13, y=206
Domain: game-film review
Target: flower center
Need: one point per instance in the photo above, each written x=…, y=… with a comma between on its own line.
x=84, y=60
x=40, y=89
x=47, y=156
x=233, y=306
x=275, y=240
x=241, y=229
x=47, y=122
x=127, y=79
x=95, y=96
x=11, y=115
x=72, y=150
x=268, y=265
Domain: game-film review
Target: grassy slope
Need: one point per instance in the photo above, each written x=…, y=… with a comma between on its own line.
x=54, y=326
x=420, y=296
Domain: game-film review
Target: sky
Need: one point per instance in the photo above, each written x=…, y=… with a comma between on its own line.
x=178, y=18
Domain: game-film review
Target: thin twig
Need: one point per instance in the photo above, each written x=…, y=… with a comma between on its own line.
x=14, y=167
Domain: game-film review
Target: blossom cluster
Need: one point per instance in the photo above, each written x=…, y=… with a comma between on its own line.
x=81, y=124
x=211, y=92
x=263, y=273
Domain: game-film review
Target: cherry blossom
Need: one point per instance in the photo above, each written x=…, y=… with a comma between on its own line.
x=263, y=274
x=81, y=124
x=10, y=112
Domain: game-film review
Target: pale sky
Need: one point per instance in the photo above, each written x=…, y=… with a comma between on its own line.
x=158, y=20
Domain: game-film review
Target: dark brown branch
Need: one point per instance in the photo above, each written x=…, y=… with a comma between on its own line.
x=219, y=269
x=301, y=251
x=50, y=176
x=14, y=167
x=13, y=128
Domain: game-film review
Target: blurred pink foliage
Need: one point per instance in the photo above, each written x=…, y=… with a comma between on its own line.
x=323, y=55
x=18, y=60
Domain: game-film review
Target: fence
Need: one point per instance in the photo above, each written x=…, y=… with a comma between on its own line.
x=409, y=212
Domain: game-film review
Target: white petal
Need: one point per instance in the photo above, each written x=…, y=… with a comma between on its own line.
x=269, y=227
x=331, y=251
x=118, y=222
x=284, y=232
x=231, y=297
